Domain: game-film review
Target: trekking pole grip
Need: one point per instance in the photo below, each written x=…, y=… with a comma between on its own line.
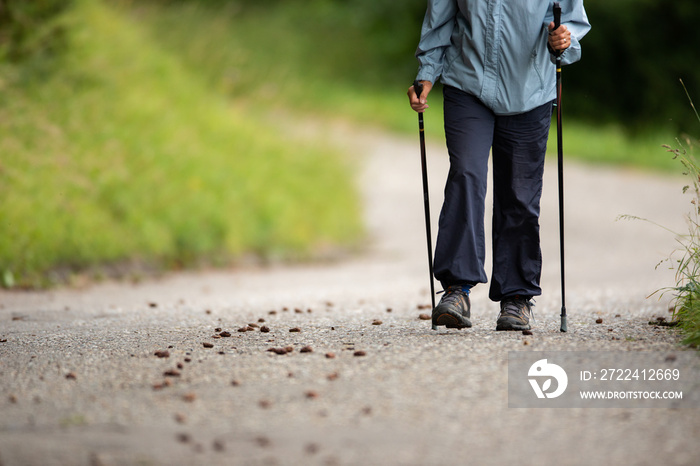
x=418, y=87
x=557, y=22
x=557, y=15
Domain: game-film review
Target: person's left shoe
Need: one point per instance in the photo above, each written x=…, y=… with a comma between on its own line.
x=515, y=313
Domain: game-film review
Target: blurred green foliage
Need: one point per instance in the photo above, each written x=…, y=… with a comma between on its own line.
x=367, y=41
x=633, y=59
x=122, y=155
x=32, y=28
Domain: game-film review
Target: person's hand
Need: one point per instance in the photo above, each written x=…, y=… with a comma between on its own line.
x=559, y=39
x=419, y=103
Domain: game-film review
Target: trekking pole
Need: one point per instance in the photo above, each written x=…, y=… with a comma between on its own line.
x=418, y=87
x=560, y=164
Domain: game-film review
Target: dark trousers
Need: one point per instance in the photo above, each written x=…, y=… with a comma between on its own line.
x=518, y=144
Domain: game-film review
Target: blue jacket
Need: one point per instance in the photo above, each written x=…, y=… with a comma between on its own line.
x=497, y=50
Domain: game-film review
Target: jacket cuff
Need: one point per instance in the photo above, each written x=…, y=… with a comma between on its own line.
x=427, y=74
x=570, y=55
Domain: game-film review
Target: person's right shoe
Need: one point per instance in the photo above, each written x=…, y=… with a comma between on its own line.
x=515, y=314
x=454, y=309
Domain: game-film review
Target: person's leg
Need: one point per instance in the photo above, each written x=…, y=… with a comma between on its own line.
x=520, y=143
x=460, y=250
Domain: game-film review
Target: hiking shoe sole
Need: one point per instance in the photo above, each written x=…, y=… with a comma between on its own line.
x=451, y=320
x=505, y=323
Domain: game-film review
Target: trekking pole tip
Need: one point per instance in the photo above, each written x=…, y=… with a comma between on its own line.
x=563, y=328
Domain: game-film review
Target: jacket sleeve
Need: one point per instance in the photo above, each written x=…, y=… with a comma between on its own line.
x=435, y=37
x=574, y=17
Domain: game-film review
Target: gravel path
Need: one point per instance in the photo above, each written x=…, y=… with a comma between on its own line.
x=80, y=384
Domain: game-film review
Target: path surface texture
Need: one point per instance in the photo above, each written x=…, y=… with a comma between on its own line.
x=363, y=380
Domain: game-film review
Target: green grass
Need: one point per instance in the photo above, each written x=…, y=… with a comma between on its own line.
x=613, y=145
x=123, y=155
x=687, y=289
x=686, y=258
